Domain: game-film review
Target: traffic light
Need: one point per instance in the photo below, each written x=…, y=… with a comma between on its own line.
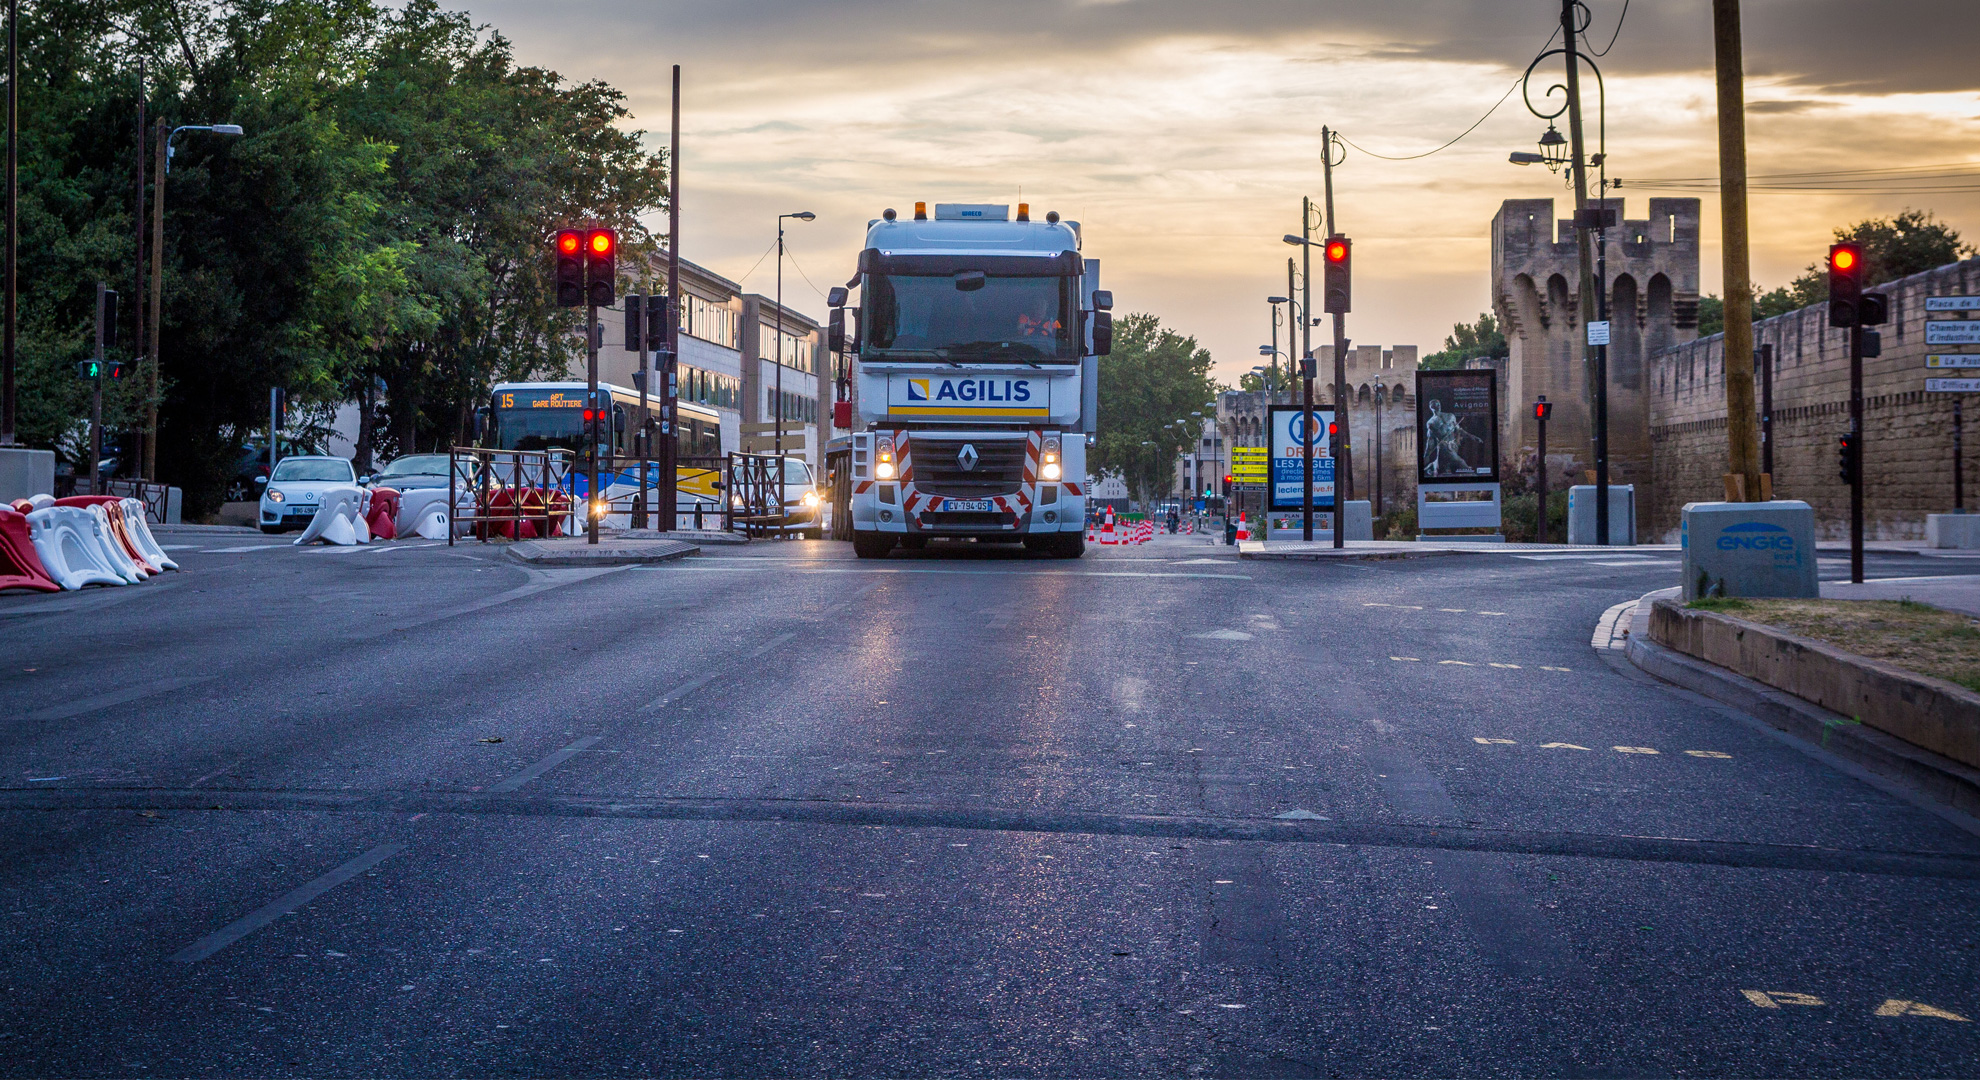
x=279, y=399
x=1848, y=466
x=659, y=321
x=1873, y=309
x=601, y=266
x=89, y=369
x=1845, y=283
x=114, y=369
x=570, y=268
x=635, y=322
x=1338, y=278
x=1542, y=409
x=1227, y=479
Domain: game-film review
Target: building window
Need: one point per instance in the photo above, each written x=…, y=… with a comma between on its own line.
x=710, y=320
x=795, y=352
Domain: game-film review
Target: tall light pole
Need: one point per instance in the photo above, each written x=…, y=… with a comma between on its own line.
x=13, y=216
x=777, y=349
x=164, y=169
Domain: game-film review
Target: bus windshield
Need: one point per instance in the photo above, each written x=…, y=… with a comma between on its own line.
x=537, y=420
x=971, y=317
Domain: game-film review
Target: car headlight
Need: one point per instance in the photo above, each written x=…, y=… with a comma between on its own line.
x=1050, y=471
x=884, y=470
x=274, y=496
x=810, y=498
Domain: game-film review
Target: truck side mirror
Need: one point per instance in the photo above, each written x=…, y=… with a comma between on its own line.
x=619, y=418
x=835, y=296
x=1103, y=333
x=1103, y=300
x=835, y=329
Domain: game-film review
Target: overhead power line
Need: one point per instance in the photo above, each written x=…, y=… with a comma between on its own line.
x=1953, y=178
x=1474, y=125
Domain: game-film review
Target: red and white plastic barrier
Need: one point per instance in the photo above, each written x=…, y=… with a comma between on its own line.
x=20, y=564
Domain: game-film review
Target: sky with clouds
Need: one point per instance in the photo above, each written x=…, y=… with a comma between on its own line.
x=1182, y=134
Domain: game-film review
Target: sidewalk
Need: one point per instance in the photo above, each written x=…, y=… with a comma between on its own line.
x=1959, y=593
x=609, y=551
x=1416, y=549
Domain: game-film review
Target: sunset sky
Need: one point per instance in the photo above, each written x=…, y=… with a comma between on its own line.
x=1182, y=134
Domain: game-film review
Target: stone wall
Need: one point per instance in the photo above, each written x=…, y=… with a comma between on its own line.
x=1907, y=432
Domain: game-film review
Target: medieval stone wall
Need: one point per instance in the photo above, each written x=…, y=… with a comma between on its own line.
x=1652, y=284
x=1907, y=432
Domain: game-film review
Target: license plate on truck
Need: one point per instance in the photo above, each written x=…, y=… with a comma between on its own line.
x=980, y=505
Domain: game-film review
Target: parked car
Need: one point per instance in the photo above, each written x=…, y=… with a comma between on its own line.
x=411, y=471
x=289, y=498
x=250, y=468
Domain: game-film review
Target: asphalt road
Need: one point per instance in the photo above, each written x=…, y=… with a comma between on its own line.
x=412, y=810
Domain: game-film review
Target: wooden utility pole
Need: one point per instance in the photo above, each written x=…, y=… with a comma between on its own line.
x=669, y=364
x=157, y=302
x=148, y=470
x=1743, y=479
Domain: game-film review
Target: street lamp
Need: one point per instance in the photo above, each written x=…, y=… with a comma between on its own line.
x=777, y=349
x=164, y=169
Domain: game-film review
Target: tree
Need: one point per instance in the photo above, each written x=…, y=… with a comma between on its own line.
x=1153, y=378
x=1481, y=338
x=1910, y=243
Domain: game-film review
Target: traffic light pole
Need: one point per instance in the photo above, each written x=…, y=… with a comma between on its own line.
x=669, y=387
x=592, y=413
x=1540, y=411
x=1856, y=453
x=96, y=405
x=636, y=316
x=1306, y=363
x=1344, y=451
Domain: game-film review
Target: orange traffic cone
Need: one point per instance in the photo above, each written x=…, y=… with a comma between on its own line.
x=1244, y=530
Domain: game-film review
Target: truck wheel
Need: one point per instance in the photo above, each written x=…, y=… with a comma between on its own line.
x=914, y=543
x=872, y=545
x=1066, y=546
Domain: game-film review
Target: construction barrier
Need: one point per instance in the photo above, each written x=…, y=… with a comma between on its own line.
x=138, y=529
x=382, y=515
x=71, y=544
x=118, y=520
x=20, y=566
x=339, y=518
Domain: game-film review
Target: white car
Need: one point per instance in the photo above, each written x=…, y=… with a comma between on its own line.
x=290, y=497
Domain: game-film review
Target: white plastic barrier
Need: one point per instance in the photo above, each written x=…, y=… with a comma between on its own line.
x=114, y=555
x=42, y=502
x=139, y=531
x=338, y=518
x=68, y=541
x=414, y=507
x=433, y=524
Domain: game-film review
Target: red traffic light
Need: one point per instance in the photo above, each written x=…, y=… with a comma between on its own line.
x=568, y=243
x=1542, y=408
x=1337, y=250
x=601, y=242
x=1844, y=258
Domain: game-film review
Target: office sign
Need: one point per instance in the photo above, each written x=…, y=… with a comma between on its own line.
x=1952, y=386
x=1457, y=427
x=1292, y=440
x=1952, y=332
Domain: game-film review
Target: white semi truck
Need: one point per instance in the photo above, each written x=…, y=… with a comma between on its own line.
x=972, y=361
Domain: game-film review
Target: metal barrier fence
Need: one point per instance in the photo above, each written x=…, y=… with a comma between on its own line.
x=756, y=493
x=155, y=497
x=520, y=494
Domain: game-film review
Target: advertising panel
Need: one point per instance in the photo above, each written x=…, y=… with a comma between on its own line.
x=1291, y=441
x=1457, y=425
x=994, y=397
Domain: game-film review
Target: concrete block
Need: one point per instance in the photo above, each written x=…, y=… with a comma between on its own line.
x=1622, y=514
x=1952, y=530
x=1749, y=549
x=25, y=472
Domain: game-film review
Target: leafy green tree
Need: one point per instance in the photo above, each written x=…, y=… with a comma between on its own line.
x=1910, y=243
x=1153, y=378
x=1482, y=338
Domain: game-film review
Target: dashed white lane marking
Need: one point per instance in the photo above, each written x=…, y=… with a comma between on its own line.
x=268, y=913
x=544, y=766
x=115, y=697
x=1483, y=740
x=244, y=547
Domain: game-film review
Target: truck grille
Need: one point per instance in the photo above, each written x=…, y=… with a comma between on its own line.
x=999, y=467
x=967, y=519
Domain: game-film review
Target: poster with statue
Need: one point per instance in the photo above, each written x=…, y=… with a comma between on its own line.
x=1457, y=427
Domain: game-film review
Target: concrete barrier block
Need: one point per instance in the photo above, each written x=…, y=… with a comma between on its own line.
x=1952, y=530
x=1622, y=515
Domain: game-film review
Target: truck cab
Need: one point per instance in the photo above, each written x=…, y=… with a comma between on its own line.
x=971, y=362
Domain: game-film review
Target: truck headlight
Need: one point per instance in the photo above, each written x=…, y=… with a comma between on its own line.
x=1050, y=471
x=883, y=469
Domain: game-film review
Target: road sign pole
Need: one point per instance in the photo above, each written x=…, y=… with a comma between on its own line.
x=1959, y=462
x=1306, y=449
x=666, y=369
x=1540, y=472
x=96, y=405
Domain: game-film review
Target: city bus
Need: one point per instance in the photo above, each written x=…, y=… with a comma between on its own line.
x=550, y=416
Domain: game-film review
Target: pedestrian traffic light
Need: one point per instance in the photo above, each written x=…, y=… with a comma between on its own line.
x=1847, y=465
x=601, y=261
x=1337, y=279
x=570, y=268
x=636, y=322
x=1542, y=408
x=89, y=369
x=1227, y=479
x=1873, y=309
x=114, y=369
x=1845, y=283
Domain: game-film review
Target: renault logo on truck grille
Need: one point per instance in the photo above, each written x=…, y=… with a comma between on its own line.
x=966, y=457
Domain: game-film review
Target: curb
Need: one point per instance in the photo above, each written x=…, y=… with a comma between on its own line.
x=637, y=553
x=1940, y=779
x=1337, y=554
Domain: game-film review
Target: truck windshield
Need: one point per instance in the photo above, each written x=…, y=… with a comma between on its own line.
x=1008, y=318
